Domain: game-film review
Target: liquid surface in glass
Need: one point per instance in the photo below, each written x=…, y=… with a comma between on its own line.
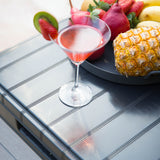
x=80, y=41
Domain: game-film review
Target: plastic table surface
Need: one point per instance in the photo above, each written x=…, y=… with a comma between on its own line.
x=122, y=122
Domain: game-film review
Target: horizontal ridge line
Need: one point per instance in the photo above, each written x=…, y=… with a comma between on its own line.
x=25, y=56
x=133, y=139
x=36, y=75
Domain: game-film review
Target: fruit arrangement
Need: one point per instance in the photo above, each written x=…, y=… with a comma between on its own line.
x=136, y=51
x=120, y=15
x=135, y=31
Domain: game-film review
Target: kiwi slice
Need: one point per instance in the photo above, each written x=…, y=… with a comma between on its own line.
x=47, y=16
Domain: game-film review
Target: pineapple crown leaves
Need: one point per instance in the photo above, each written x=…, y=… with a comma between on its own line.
x=133, y=20
x=100, y=4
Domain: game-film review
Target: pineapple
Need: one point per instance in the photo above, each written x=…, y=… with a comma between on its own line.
x=137, y=51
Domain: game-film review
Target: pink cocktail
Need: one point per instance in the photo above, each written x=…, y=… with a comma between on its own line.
x=79, y=41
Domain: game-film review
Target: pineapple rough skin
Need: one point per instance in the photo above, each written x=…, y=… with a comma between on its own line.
x=137, y=51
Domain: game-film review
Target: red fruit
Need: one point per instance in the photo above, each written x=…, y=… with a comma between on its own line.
x=116, y=20
x=125, y=5
x=137, y=7
x=109, y=1
x=79, y=17
x=101, y=12
x=47, y=29
x=98, y=12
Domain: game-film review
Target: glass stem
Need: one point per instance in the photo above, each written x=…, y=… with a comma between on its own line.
x=76, y=76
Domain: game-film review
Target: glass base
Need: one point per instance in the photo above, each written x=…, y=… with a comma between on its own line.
x=75, y=96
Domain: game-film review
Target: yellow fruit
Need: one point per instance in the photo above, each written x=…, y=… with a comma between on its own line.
x=148, y=3
x=137, y=51
x=86, y=3
x=150, y=14
x=147, y=23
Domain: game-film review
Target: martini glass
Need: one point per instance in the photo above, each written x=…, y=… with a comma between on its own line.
x=79, y=40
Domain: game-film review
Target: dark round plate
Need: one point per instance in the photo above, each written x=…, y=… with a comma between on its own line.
x=105, y=69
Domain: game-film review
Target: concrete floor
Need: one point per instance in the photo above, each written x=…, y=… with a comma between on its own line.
x=12, y=147
x=16, y=25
